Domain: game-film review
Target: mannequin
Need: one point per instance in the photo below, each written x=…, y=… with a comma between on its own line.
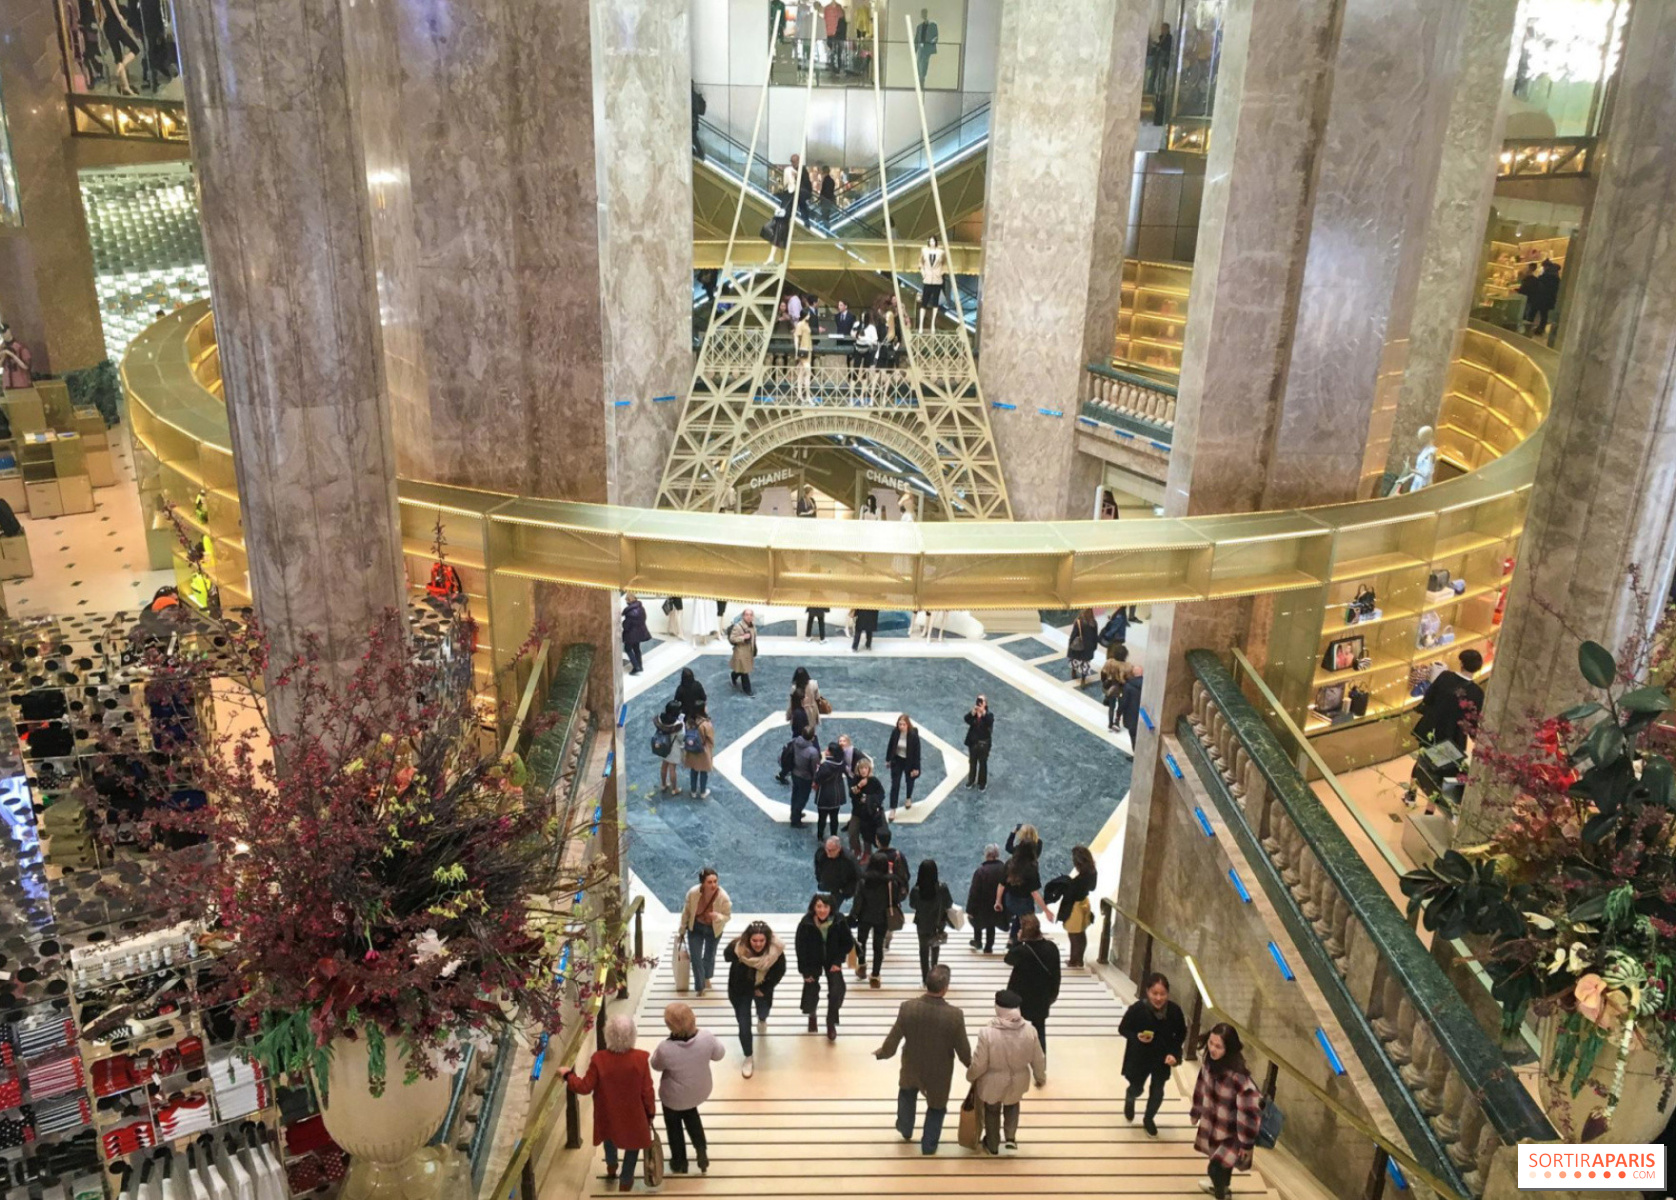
x=909, y=504
x=14, y=362
x=931, y=261
x=1425, y=464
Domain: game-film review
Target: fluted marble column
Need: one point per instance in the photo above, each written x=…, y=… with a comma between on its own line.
x=285, y=145
x=1054, y=228
x=1466, y=181
x=1605, y=495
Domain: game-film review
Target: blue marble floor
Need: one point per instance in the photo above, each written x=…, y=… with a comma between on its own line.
x=1030, y=647
x=1044, y=768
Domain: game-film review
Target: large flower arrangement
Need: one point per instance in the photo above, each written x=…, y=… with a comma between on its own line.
x=1574, y=896
x=366, y=872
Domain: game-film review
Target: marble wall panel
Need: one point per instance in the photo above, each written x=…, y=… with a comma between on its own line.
x=1454, y=246
x=282, y=158
x=1125, y=75
x=1605, y=495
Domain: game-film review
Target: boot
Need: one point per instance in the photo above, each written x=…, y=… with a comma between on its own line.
x=874, y=983
x=1129, y=1108
x=811, y=1022
x=1150, y=1126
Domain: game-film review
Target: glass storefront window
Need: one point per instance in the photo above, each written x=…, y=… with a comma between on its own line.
x=11, y=211
x=120, y=48
x=1565, y=53
x=844, y=42
x=1198, y=49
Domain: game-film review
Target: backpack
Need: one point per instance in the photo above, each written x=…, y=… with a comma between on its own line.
x=663, y=740
x=693, y=740
x=788, y=757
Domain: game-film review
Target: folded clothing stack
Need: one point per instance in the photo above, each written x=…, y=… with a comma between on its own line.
x=184, y=1117
x=15, y=1131
x=128, y=1138
x=52, y=1076
x=11, y=1093
x=240, y=1087
x=62, y=1113
x=38, y=1035
x=119, y=1074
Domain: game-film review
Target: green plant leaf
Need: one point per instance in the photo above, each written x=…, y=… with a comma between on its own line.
x=1597, y=664
x=1604, y=744
x=1580, y=711
x=1592, y=909
x=1658, y=777
x=1645, y=700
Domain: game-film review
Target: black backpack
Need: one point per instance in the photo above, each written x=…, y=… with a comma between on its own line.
x=9, y=524
x=788, y=757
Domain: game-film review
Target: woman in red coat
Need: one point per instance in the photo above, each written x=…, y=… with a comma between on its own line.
x=1228, y=1109
x=619, y=1078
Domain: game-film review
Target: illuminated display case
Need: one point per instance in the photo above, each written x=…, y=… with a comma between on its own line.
x=1152, y=314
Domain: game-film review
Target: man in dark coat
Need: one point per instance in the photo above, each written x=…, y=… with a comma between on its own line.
x=932, y=1034
x=832, y=788
x=980, y=898
x=835, y=871
x=1448, y=713
x=865, y=621
x=1129, y=706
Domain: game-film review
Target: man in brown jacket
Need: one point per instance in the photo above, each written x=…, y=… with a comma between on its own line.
x=935, y=1035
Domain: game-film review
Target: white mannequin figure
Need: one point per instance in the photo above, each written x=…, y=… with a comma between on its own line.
x=1425, y=463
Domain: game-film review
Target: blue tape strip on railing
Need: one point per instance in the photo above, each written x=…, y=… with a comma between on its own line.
x=1397, y=1177
x=1280, y=961
x=1090, y=422
x=1157, y=445
x=1146, y=719
x=1175, y=768
x=622, y=715
x=1051, y=412
x=624, y=403
x=1333, y=1059
x=610, y=761
x=1204, y=821
x=540, y=1058
x=1239, y=885
x=1000, y=404
x=662, y=399
x=1122, y=433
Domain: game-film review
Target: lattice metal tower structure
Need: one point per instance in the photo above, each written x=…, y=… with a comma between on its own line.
x=740, y=407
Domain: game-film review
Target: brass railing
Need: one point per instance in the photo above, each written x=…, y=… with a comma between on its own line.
x=1206, y=1008
x=1442, y=1077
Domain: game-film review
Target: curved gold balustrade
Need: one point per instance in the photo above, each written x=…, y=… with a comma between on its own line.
x=1490, y=429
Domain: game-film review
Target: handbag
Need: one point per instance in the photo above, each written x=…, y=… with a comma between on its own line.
x=653, y=1161
x=894, y=922
x=1438, y=580
x=1358, y=702
x=957, y=917
x=969, y=1135
x=683, y=964
x=823, y=706
x=1431, y=626
x=668, y=607
x=1273, y=1121
x=1329, y=699
x=1342, y=653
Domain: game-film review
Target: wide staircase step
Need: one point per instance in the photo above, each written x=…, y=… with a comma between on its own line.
x=817, y=1118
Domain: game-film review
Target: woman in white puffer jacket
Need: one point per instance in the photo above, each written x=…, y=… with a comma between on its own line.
x=1007, y=1055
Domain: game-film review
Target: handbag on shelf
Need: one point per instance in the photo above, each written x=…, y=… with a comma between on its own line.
x=1438, y=580
x=1447, y=637
x=1431, y=629
x=1330, y=699
x=1343, y=653
x=1358, y=702
x=1458, y=586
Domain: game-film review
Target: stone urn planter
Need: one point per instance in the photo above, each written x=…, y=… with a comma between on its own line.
x=1643, y=1109
x=386, y=1136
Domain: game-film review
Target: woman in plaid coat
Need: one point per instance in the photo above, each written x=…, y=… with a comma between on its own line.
x=1228, y=1109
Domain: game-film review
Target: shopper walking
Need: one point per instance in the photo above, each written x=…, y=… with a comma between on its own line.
x=1024, y=835
x=673, y=607
x=932, y=1035
x=865, y=623
x=930, y=900
x=815, y=618
x=806, y=694
x=619, y=1078
x=1114, y=674
x=1115, y=632
x=980, y=731
x=1156, y=1034
x=875, y=909
x=742, y=636
x=981, y=913
x=1080, y=644
x=805, y=761
x=1020, y=894
x=822, y=943
x=806, y=506
x=1076, y=908
x=698, y=750
x=668, y=729
x=832, y=788
x=689, y=693
x=684, y=1059
x=867, y=811
x=757, y=964
x=1006, y=1058
x=1227, y=1107
x=902, y=757
x=1129, y=705
x=634, y=631
x=836, y=873
x=1035, y=977
x=703, y=917
x=898, y=864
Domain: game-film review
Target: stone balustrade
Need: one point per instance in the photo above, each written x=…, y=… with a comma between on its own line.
x=1111, y=394
x=1459, y=1102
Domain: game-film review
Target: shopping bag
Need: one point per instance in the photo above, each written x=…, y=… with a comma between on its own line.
x=971, y=1123
x=957, y=917
x=683, y=965
x=850, y=959
x=653, y=1161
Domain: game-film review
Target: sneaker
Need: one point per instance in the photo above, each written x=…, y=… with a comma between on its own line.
x=1013, y=1146
x=705, y=794
x=1207, y=1187
x=750, y=1067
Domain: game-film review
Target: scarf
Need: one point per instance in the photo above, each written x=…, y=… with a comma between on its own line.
x=761, y=962
x=823, y=926
x=1008, y=1018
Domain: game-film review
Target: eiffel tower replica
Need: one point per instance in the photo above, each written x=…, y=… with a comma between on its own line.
x=742, y=406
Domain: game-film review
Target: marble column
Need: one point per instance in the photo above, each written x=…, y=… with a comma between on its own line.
x=1373, y=170
x=1454, y=251
x=288, y=146
x=1605, y=495
x=1274, y=74
x=643, y=124
x=1054, y=228
x=46, y=286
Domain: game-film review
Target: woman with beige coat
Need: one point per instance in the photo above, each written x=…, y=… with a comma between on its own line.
x=1007, y=1056
x=742, y=636
x=703, y=917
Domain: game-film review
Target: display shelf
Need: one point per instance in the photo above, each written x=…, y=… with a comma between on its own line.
x=1334, y=629
x=1152, y=313
x=1472, y=593
x=1374, y=565
x=1464, y=543
x=1379, y=664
